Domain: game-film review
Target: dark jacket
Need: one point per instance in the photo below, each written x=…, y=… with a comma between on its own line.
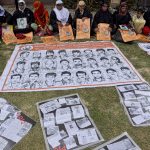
x=54, y=20
x=7, y=18
x=121, y=20
x=78, y=15
x=102, y=17
x=28, y=14
x=147, y=18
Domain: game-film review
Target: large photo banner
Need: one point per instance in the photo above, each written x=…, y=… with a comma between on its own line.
x=41, y=67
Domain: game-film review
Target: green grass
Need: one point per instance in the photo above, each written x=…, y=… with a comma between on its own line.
x=103, y=103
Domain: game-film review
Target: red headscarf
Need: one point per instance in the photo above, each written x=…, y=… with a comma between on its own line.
x=40, y=14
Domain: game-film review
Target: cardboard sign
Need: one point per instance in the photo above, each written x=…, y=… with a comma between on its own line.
x=50, y=40
x=9, y=37
x=28, y=39
x=83, y=29
x=128, y=36
x=143, y=38
x=103, y=34
x=66, y=33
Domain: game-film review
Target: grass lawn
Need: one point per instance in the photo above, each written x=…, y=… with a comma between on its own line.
x=103, y=103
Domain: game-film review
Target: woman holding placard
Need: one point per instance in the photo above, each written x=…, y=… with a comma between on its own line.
x=60, y=16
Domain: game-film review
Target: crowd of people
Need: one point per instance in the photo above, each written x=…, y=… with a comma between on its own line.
x=41, y=23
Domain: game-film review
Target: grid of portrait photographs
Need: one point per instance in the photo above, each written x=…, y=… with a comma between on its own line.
x=66, y=124
x=145, y=47
x=14, y=125
x=122, y=142
x=40, y=70
x=136, y=101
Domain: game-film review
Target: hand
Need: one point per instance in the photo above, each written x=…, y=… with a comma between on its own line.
x=60, y=24
x=67, y=24
x=96, y=30
x=4, y=24
x=16, y=27
x=27, y=26
x=110, y=29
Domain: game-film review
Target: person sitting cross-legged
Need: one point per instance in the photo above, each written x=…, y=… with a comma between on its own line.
x=41, y=15
x=60, y=16
x=22, y=19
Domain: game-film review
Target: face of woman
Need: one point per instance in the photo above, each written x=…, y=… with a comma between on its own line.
x=123, y=9
x=59, y=6
x=81, y=8
x=104, y=7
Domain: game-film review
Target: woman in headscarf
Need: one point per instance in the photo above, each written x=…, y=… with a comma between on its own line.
x=102, y=16
x=138, y=21
x=146, y=30
x=82, y=12
x=122, y=16
x=5, y=19
x=41, y=16
x=60, y=16
x=22, y=19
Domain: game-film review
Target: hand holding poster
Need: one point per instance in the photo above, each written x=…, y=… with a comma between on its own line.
x=103, y=32
x=66, y=33
x=83, y=29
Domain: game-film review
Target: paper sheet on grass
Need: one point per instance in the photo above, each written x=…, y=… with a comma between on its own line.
x=135, y=99
x=14, y=125
x=121, y=142
x=70, y=130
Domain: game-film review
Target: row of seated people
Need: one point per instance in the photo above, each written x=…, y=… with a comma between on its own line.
x=41, y=23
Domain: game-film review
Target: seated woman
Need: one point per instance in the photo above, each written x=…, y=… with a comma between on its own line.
x=146, y=29
x=22, y=19
x=122, y=16
x=60, y=16
x=102, y=16
x=138, y=21
x=82, y=12
x=41, y=16
x=5, y=19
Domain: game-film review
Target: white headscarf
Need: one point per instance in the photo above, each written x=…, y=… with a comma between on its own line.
x=62, y=15
x=2, y=11
x=22, y=1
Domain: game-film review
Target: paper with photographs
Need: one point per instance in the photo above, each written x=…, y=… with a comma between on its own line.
x=135, y=99
x=14, y=125
x=83, y=29
x=41, y=67
x=122, y=142
x=66, y=124
x=145, y=47
x=22, y=23
x=66, y=33
x=103, y=32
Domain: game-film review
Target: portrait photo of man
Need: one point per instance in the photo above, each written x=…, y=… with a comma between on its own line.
x=66, y=78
